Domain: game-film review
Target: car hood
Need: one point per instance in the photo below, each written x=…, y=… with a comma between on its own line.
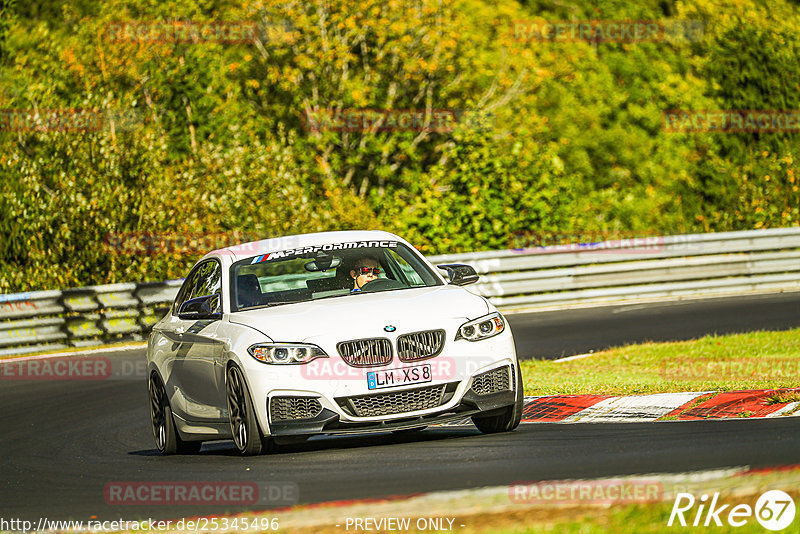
x=348, y=316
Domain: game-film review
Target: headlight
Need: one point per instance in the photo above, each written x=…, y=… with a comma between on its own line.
x=482, y=328
x=286, y=353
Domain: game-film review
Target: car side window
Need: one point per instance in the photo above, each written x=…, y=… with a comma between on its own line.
x=204, y=280
x=210, y=280
x=408, y=272
x=186, y=290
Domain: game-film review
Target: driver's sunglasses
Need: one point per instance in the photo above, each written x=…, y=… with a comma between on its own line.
x=366, y=270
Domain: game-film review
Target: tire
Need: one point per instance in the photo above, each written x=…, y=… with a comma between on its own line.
x=510, y=417
x=244, y=425
x=162, y=423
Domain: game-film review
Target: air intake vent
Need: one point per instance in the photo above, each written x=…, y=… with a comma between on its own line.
x=366, y=352
x=293, y=408
x=398, y=402
x=420, y=345
x=492, y=381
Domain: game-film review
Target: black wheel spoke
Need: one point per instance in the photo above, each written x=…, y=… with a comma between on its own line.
x=158, y=411
x=234, y=407
x=238, y=409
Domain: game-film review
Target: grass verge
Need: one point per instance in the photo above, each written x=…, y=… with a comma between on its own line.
x=757, y=360
x=491, y=510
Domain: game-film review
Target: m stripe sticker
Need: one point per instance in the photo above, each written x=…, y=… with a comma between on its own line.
x=259, y=259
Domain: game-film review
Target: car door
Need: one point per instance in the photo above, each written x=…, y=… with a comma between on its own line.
x=196, y=352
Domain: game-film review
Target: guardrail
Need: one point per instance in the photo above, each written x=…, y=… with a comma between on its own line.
x=87, y=316
x=589, y=273
x=635, y=269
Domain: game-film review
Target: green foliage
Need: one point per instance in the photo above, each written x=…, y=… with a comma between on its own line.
x=488, y=187
x=207, y=138
x=749, y=59
x=7, y=15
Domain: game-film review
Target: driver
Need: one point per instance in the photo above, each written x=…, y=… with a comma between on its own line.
x=365, y=270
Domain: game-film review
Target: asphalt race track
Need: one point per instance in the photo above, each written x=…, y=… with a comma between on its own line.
x=62, y=443
x=548, y=335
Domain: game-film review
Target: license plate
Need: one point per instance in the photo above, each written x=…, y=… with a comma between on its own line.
x=419, y=374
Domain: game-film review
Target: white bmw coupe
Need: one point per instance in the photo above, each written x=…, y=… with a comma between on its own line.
x=328, y=333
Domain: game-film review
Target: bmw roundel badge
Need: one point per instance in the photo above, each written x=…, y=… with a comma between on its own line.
x=389, y=328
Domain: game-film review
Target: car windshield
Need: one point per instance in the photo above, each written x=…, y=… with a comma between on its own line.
x=311, y=273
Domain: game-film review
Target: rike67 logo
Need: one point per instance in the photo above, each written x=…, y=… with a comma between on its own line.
x=774, y=510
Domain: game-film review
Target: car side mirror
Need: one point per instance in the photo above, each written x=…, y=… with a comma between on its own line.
x=205, y=307
x=460, y=275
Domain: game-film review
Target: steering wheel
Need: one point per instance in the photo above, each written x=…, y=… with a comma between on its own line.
x=382, y=284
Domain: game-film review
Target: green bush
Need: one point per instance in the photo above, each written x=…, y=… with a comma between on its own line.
x=209, y=141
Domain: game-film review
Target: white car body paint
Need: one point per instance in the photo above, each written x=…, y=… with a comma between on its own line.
x=191, y=356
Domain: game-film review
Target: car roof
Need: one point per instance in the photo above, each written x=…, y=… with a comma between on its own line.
x=276, y=244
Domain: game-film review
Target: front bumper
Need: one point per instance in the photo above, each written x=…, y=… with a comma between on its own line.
x=469, y=402
x=328, y=422
x=337, y=398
